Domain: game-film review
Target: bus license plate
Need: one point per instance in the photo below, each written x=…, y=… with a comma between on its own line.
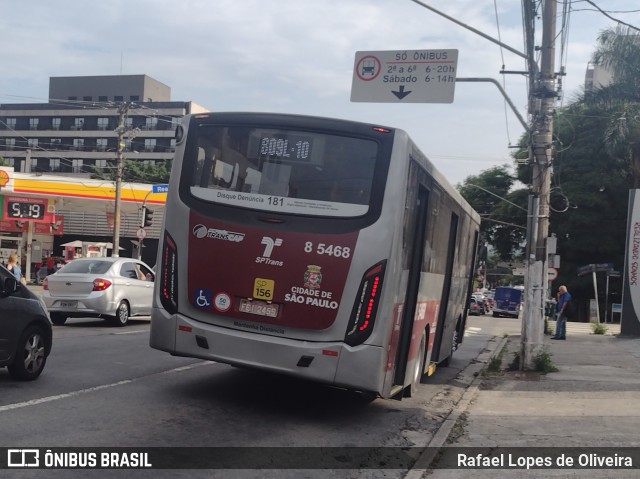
x=259, y=307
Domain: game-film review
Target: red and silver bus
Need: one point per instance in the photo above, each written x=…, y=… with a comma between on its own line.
x=320, y=248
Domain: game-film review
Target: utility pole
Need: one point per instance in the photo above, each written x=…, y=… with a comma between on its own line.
x=542, y=94
x=542, y=101
x=120, y=130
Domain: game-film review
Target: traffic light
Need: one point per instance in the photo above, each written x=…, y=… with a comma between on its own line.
x=147, y=216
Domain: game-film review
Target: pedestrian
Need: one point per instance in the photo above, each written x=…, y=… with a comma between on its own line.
x=564, y=311
x=51, y=266
x=14, y=267
x=42, y=273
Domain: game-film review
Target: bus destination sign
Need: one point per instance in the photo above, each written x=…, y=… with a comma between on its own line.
x=405, y=76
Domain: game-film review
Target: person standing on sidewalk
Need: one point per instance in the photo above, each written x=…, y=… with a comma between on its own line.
x=14, y=267
x=564, y=302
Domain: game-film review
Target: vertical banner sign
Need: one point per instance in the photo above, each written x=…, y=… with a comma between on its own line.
x=629, y=324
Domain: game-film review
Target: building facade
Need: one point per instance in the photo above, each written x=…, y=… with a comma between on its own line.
x=50, y=150
x=75, y=131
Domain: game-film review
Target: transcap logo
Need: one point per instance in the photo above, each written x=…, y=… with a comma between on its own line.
x=201, y=231
x=23, y=458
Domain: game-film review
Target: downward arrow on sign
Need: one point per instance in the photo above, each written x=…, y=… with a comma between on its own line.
x=401, y=94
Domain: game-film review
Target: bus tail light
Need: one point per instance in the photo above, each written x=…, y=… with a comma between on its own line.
x=169, y=275
x=365, y=307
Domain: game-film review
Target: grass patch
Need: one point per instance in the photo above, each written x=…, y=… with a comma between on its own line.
x=514, y=365
x=543, y=363
x=599, y=328
x=458, y=429
x=494, y=366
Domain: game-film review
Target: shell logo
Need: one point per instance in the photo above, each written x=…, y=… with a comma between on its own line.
x=4, y=178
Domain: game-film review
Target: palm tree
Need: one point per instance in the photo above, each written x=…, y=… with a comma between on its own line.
x=619, y=52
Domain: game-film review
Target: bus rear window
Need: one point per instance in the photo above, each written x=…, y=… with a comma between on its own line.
x=283, y=171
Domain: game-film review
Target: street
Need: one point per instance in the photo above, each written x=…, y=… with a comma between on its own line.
x=104, y=387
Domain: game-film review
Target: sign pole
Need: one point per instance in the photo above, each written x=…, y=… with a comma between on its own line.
x=595, y=291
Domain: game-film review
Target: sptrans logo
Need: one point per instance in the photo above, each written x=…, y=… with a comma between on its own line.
x=269, y=244
x=201, y=231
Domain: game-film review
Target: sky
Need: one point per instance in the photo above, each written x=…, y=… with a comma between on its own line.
x=297, y=56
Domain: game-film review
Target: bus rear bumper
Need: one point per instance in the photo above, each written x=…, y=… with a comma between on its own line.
x=358, y=368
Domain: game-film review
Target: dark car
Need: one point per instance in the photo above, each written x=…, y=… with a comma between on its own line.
x=476, y=307
x=482, y=299
x=25, y=329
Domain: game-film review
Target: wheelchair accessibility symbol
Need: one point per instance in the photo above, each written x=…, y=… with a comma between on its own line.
x=202, y=298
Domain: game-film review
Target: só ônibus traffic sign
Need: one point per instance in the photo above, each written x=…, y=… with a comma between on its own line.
x=405, y=76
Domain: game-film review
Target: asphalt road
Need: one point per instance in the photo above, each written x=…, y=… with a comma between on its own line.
x=104, y=387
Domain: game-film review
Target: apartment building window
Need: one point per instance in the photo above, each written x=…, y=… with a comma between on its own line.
x=87, y=98
x=175, y=121
x=78, y=124
x=172, y=147
x=103, y=123
x=11, y=143
x=151, y=123
x=32, y=143
x=134, y=98
x=54, y=164
x=11, y=123
x=78, y=144
x=72, y=98
x=103, y=98
x=150, y=144
x=34, y=164
x=76, y=165
x=56, y=143
x=101, y=165
x=118, y=98
x=55, y=123
x=128, y=122
x=33, y=123
x=127, y=144
x=101, y=144
x=10, y=161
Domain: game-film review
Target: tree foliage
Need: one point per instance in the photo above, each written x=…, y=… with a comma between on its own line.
x=589, y=195
x=138, y=172
x=503, y=211
x=596, y=162
x=619, y=51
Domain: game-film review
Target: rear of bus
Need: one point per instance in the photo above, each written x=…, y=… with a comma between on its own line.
x=277, y=237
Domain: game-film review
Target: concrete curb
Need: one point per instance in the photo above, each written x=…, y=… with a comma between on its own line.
x=422, y=465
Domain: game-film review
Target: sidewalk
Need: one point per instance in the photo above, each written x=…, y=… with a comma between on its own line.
x=592, y=401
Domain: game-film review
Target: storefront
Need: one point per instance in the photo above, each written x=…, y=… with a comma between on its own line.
x=39, y=213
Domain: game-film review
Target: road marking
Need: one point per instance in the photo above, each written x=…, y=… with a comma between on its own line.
x=471, y=330
x=34, y=402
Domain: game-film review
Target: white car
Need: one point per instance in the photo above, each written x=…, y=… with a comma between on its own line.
x=115, y=288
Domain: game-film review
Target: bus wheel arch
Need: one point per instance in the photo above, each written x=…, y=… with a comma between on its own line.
x=454, y=343
x=418, y=369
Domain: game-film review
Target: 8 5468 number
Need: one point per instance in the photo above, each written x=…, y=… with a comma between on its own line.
x=330, y=250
